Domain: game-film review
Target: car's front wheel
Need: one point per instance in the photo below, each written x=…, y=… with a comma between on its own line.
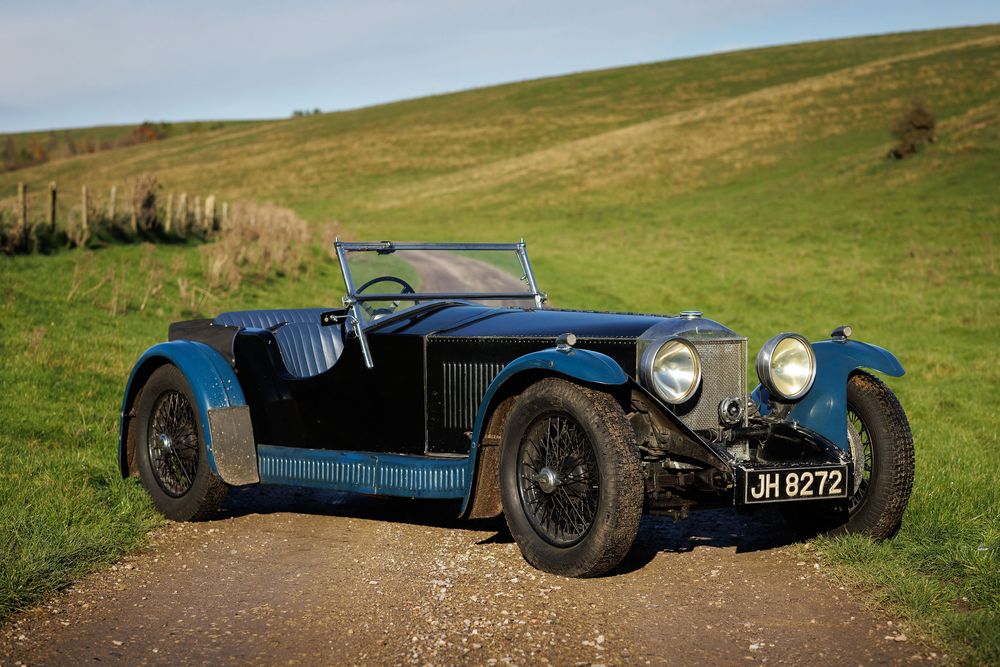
x=882, y=450
x=570, y=479
x=170, y=449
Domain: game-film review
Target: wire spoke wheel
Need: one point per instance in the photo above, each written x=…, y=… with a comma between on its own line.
x=172, y=441
x=863, y=453
x=558, y=479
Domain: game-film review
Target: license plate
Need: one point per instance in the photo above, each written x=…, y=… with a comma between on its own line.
x=784, y=484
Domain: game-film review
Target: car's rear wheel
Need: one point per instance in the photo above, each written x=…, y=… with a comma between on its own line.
x=882, y=450
x=170, y=449
x=570, y=479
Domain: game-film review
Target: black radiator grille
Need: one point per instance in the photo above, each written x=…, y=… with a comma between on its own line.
x=464, y=386
x=723, y=374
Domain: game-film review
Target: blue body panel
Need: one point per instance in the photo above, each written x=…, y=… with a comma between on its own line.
x=211, y=379
x=365, y=472
x=583, y=365
x=824, y=408
x=422, y=476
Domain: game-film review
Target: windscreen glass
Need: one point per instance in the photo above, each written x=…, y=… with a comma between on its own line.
x=450, y=274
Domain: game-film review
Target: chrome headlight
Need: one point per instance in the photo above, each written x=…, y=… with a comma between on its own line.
x=786, y=366
x=672, y=369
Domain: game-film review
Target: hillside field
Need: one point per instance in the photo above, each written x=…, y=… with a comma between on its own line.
x=750, y=185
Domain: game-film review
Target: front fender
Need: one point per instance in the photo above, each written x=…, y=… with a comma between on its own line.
x=222, y=408
x=824, y=408
x=576, y=364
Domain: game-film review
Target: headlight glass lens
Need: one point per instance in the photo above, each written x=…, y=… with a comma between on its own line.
x=675, y=371
x=787, y=366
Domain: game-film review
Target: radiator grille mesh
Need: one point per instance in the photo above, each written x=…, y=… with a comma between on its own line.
x=464, y=386
x=723, y=374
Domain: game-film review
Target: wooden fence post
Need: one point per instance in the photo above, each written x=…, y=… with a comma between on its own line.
x=22, y=203
x=52, y=205
x=134, y=220
x=182, y=213
x=168, y=224
x=111, y=203
x=225, y=214
x=210, y=213
x=83, y=218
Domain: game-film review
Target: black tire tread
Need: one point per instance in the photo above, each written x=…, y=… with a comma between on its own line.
x=614, y=429
x=210, y=501
x=882, y=514
x=622, y=437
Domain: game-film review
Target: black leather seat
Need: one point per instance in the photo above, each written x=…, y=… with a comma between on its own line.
x=306, y=347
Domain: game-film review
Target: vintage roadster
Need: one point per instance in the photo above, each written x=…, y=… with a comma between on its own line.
x=569, y=423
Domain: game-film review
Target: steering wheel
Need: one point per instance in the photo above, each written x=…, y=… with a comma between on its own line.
x=376, y=313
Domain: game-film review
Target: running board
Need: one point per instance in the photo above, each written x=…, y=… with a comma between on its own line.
x=365, y=472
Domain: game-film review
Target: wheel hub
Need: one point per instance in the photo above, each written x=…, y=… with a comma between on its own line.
x=164, y=443
x=547, y=480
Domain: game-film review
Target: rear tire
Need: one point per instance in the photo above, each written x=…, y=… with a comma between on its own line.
x=883, y=446
x=170, y=449
x=570, y=479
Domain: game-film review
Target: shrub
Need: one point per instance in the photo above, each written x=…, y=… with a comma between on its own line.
x=144, y=189
x=912, y=130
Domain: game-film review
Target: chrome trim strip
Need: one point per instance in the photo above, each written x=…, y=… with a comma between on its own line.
x=522, y=256
x=351, y=302
x=465, y=296
x=392, y=246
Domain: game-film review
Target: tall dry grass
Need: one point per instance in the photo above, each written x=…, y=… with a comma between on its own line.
x=256, y=241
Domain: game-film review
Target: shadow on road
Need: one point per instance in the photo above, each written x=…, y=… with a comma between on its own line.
x=274, y=499
x=715, y=528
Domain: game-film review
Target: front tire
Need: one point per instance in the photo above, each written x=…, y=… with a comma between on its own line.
x=882, y=451
x=170, y=449
x=570, y=479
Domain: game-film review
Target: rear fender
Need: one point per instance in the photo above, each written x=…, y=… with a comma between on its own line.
x=575, y=364
x=824, y=408
x=219, y=401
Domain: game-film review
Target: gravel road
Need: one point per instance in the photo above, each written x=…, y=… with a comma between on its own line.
x=450, y=272
x=297, y=576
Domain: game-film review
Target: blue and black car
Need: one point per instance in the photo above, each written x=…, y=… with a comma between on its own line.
x=444, y=374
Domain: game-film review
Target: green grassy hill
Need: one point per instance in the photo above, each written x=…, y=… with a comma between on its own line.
x=750, y=185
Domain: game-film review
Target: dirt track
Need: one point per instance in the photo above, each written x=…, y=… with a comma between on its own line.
x=309, y=577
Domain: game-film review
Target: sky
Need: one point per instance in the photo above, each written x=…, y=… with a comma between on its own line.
x=73, y=63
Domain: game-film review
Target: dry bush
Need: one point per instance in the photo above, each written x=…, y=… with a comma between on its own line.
x=912, y=130
x=10, y=234
x=144, y=190
x=17, y=238
x=256, y=241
